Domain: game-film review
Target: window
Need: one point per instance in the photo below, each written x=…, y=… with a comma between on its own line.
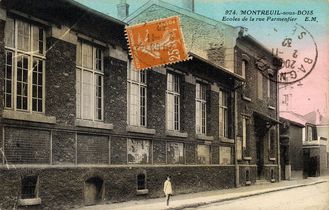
x=269, y=88
x=244, y=66
x=24, y=66
x=173, y=102
x=259, y=85
x=201, y=109
x=29, y=187
x=225, y=155
x=175, y=153
x=137, y=91
x=89, y=82
x=311, y=133
x=139, y=151
x=203, y=152
x=141, y=183
x=271, y=142
x=223, y=114
x=245, y=132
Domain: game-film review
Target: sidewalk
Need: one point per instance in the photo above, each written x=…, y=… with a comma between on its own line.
x=202, y=198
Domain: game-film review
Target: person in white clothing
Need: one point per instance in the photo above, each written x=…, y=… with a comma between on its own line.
x=167, y=189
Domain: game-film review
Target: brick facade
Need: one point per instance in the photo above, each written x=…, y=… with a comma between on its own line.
x=64, y=152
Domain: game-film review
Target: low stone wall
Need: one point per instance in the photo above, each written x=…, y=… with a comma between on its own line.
x=64, y=187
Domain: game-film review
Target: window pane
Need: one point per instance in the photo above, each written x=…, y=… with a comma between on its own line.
x=169, y=82
x=41, y=41
x=143, y=106
x=87, y=56
x=143, y=76
x=198, y=117
x=243, y=68
x=78, y=55
x=23, y=36
x=170, y=101
x=177, y=112
x=22, y=83
x=98, y=59
x=141, y=182
x=203, y=118
x=134, y=104
x=197, y=91
x=98, y=89
x=78, y=92
x=10, y=33
x=38, y=40
x=29, y=184
x=259, y=85
x=37, y=83
x=8, y=79
x=88, y=95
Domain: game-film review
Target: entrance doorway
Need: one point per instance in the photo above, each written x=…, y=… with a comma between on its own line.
x=93, y=191
x=260, y=156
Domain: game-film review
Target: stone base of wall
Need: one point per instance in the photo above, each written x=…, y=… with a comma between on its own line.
x=243, y=171
x=64, y=187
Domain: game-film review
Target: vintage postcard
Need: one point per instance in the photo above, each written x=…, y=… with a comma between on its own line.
x=164, y=104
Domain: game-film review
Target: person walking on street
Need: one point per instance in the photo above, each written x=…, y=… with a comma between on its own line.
x=167, y=189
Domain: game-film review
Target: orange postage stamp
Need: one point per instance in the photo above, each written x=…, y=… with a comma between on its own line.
x=156, y=43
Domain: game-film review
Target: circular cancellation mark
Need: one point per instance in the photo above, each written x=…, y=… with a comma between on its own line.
x=297, y=54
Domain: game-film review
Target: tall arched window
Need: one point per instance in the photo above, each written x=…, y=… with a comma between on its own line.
x=244, y=67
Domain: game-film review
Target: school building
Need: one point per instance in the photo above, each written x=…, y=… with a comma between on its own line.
x=79, y=126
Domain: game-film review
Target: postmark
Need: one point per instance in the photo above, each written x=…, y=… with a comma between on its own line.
x=296, y=52
x=156, y=43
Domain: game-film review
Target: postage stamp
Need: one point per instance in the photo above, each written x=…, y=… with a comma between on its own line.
x=156, y=43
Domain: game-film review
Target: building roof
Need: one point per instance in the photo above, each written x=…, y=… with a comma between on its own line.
x=225, y=70
x=293, y=117
x=316, y=118
x=72, y=14
x=191, y=15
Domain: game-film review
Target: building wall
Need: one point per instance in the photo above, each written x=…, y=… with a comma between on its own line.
x=296, y=148
x=119, y=182
x=65, y=153
x=248, y=103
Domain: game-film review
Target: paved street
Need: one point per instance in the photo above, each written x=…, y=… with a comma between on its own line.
x=310, y=194
x=313, y=197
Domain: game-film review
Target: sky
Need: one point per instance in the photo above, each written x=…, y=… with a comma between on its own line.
x=312, y=92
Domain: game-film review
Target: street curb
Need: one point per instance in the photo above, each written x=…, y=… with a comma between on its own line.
x=193, y=205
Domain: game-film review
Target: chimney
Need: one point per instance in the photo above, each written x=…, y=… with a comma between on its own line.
x=317, y=117
x=123, y=9
x=188, y=4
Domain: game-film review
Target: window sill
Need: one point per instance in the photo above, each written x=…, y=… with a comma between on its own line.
x=93, y=124
x=226, y=140
x=246, y=98
x=271, y=107
x=247, y=158
x=29, y=202
x=137, y=129
x=176, y=133
x=26, y=116
x=142, y=192
x=204, y=137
